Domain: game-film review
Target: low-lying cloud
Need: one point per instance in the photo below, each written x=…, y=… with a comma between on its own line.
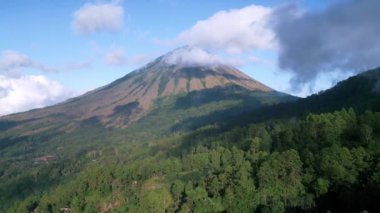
x=29, y=91
x=100, y=17
x=20, y=92
x=343, y=37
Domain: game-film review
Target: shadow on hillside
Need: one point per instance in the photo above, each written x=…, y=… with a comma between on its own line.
x=232, y=92
x=199, y=72
x=7, y=142
x=5, y=125
x=218, y=118
x=246, y=102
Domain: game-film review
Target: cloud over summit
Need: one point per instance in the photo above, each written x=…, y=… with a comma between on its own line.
x=190, y=55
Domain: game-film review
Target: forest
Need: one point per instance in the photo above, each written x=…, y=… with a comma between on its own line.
x=323, y=162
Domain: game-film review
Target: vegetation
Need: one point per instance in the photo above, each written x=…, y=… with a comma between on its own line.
x=328, y=161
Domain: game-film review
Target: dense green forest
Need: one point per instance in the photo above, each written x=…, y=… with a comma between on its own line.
x=323, y=162
x=318, y=154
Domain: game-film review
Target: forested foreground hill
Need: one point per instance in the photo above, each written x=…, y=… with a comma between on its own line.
x=322, y=162
x=317, y=154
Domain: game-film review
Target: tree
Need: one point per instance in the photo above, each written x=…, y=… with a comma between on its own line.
x=156, y=201
x=177, y=190
x=337, y=165
x=280, y=181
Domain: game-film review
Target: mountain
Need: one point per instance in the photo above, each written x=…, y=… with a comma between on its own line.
x=209, y=139
x=182, y=71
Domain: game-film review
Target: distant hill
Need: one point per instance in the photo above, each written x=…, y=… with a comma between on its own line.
x=360, y=92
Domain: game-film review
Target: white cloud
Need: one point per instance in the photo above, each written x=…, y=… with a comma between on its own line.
x=28, y=92
x=19, y=92
x=234, y=31
x=116, y=57
x=11, y=61
x=106, y=17
x=190, y=56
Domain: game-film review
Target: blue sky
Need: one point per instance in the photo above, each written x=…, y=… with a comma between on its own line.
x=57, y=49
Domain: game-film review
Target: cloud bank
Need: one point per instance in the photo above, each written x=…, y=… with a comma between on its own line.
x=343, y=37
x=233, y=31
x=28, y=92
x=20, y=92
x=91, y=18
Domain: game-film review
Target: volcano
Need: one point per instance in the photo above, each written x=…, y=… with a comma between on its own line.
x=182, y=71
